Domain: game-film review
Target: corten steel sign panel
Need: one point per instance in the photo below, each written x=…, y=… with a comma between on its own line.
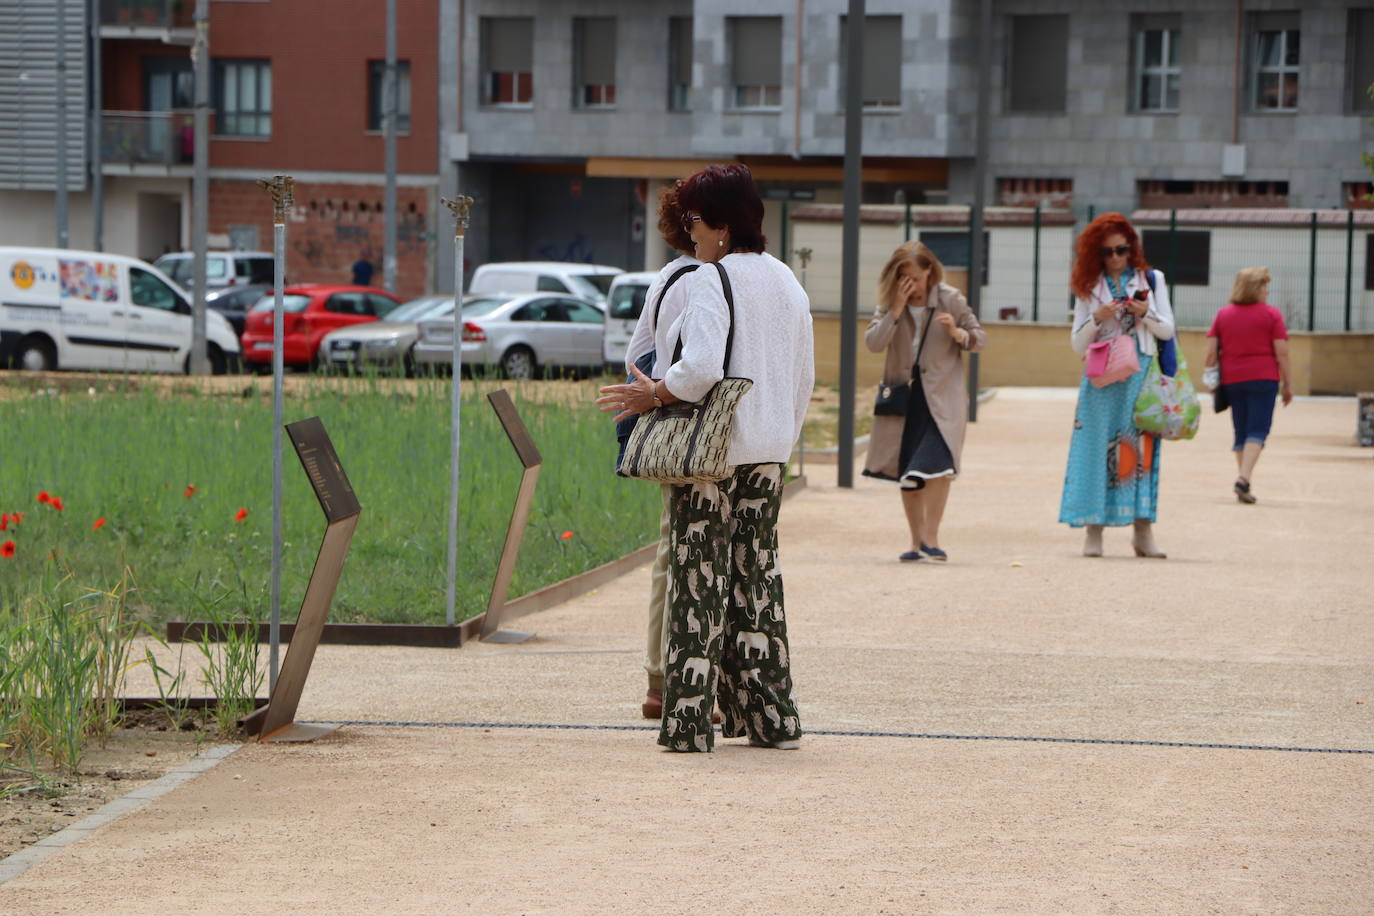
x=341, y=511
x=530, y=458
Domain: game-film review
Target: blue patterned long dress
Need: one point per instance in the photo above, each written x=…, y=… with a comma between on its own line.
x=1112, y=476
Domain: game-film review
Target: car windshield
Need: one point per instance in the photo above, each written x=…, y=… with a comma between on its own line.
x=592, y=286
x=474, y=307
x=290, y=302
x=627, y=300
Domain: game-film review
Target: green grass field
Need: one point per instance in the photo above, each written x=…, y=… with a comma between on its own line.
x=170, y=473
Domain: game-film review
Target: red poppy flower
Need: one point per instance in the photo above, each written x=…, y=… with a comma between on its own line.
x=7, y=549
x=4, y=522
x=190, y=491
x=98, y=523
x=43, y=496
x=55, y=503
x=566, y=535
x=240, y=515
x=16, y=517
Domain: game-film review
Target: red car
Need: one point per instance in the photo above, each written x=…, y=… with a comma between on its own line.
x=309, y=311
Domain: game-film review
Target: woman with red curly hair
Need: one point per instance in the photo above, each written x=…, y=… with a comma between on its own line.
x=1113, y=471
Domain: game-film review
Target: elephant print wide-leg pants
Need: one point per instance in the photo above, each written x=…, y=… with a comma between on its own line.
x=727, y=634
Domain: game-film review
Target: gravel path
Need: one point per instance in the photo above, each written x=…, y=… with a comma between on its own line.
x=919, y=788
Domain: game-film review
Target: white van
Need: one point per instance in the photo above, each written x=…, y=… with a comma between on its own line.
x=589, y=281
x=623, y=306
x=222, y=268
x=62, y=309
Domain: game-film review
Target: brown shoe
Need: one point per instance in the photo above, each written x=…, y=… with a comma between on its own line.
x=653, y=704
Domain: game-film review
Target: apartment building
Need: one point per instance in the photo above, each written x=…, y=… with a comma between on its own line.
x=563, y=118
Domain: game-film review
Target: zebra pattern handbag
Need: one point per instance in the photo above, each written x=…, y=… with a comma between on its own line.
x=688, y=442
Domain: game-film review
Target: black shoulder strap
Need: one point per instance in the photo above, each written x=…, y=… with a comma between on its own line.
x=730, y=306
x=658, y=303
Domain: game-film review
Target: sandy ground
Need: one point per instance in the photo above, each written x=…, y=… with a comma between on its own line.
x=918, y=788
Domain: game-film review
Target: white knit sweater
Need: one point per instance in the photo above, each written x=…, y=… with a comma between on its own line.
x=773, y=347
x=642, y=340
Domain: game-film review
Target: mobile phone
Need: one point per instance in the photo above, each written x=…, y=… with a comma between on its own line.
x=1141, y=295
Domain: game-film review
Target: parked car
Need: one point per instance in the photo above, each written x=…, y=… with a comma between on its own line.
x=64, y=309
x=233, y=302
x=586, y=281
x=310, y=311
x=384, y=344
x=222, y=268
x=624, y=303
x=521, y=336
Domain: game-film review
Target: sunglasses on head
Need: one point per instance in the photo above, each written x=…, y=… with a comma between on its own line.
x=689, y=220
x=1119, y=251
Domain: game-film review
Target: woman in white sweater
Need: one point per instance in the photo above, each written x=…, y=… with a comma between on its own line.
x=726, y=625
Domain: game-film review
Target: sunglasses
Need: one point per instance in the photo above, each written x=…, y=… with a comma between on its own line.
x=688, y=221
x=1120, y=251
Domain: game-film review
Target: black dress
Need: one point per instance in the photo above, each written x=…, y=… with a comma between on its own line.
x=923, y=453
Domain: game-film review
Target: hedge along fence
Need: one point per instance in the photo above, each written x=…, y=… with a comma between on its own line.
x=177, y=487
x=1322, y=261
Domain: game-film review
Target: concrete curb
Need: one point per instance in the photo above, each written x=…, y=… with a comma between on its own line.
x=24, y=859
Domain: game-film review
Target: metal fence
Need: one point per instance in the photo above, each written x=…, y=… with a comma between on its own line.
x=1322, y=262
x=147, y=137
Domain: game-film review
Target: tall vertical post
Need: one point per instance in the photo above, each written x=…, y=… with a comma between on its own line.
x=459, y=207
x=96, y=130
x=849, y=270
x=1312, y=276
x=980, y=180
x=906, y=223
x=1349, y=260
x=390, y=109
x=200, y=186
x=63, y=235
x=280, y=187
x=1035, y=269
x=1173, y=256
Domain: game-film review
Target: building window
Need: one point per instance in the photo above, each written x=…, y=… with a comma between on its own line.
x=680, y=63
x=1157, y=68
x=243, y=98
x=756, y=60
x=594, y=63
x=1038, y=65
x=376, y=103
x=1185, y=195
x=1361, y=57
x=1276, y=61
x=507, y=61
x=882, y=64
x=1186, y=260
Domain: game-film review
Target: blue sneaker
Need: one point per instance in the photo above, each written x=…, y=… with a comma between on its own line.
x=934, y=553
x=911, y=555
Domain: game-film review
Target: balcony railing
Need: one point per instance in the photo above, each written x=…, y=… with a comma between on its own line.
x=147, y=138
x=158, y=14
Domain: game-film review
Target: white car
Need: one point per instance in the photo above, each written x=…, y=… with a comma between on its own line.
x=222, y=268
x=521, y=336
x=64, y=309
x=623, y=306
x=586, y=281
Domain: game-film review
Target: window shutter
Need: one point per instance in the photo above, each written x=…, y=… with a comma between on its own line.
x=756, y=58
x=29, y=90
x=1037, y=75
x=597, y=47
x=510, y=45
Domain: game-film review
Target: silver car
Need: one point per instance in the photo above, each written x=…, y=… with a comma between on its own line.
x=521, y=336
x=385, y=344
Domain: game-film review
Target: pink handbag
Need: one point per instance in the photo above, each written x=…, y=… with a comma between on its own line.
x=1111, y=361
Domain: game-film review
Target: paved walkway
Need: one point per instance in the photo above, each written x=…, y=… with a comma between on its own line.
x=1021, y=730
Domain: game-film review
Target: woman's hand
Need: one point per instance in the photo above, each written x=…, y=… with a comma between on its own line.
x=630, y=399
x=1138, y=307
x=906, y=291
x=1286, y=393
x=1104, y=312
x=961, y=337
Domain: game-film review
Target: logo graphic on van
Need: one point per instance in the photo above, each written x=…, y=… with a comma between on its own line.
x=22, y=274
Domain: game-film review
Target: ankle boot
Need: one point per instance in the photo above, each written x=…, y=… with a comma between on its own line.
x=1143, y=540
x=1092, y=541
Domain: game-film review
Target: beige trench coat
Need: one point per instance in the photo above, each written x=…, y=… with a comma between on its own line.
x=942, y=375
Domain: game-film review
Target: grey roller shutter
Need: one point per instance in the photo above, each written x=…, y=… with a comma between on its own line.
x=29, y=92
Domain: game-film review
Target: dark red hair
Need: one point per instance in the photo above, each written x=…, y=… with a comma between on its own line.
x=725, y=195
x=670, y=220
x=1087, y=261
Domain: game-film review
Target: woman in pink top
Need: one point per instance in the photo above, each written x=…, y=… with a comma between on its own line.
x=1251, y=340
